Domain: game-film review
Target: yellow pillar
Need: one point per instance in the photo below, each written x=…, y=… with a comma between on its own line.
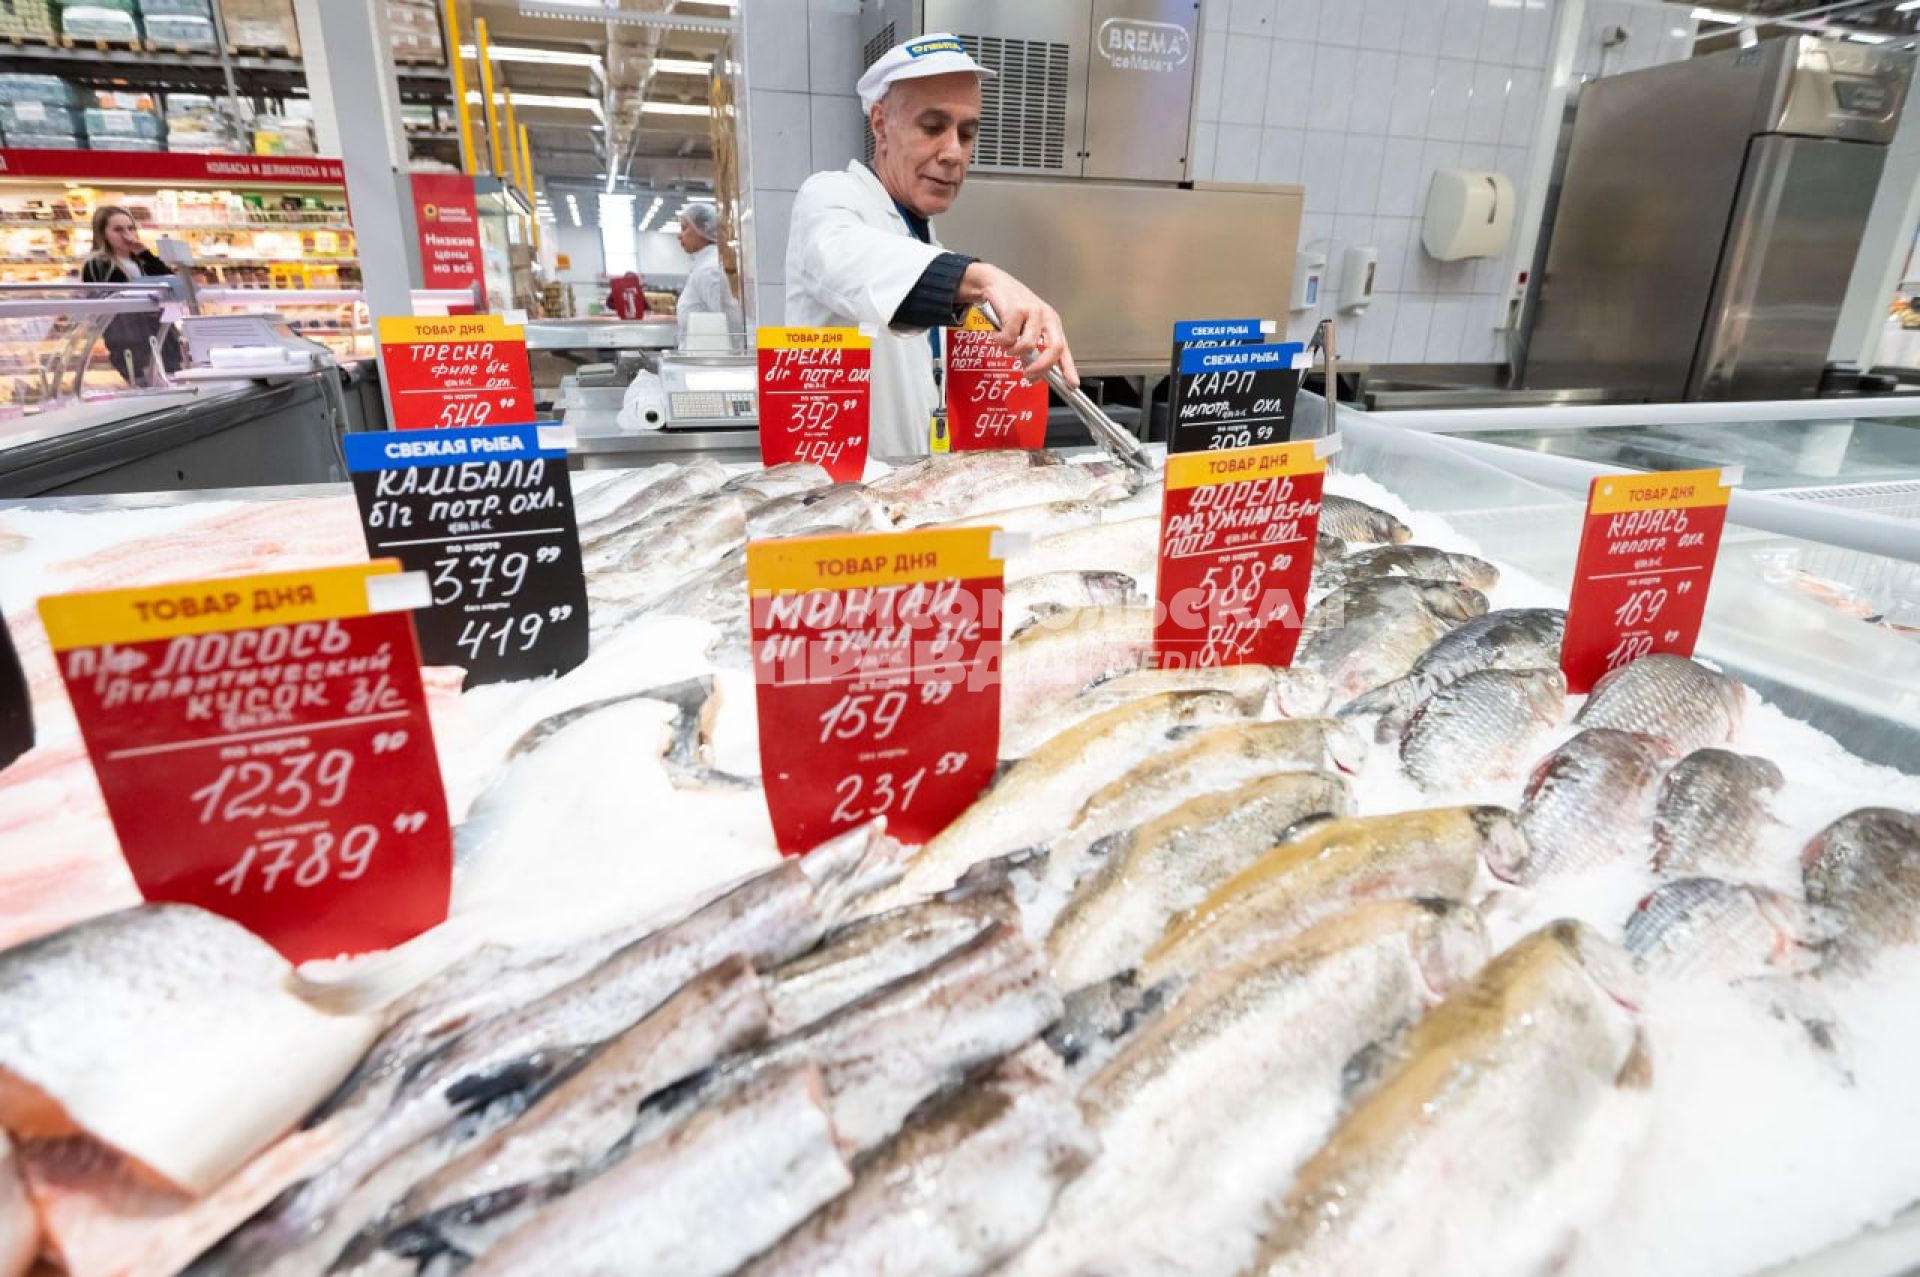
x=458, y=66
x=526, y=164
x=486, y=93
x=513, y=140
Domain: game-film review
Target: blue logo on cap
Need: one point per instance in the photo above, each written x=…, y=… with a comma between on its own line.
x=921, y=48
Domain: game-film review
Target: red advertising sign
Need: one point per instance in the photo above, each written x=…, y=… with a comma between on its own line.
x=448, y=223
x=1237, y=528
x=876, y=663
x=172, y=166
x=463, y=370
x=816, y=392
x=1646, y=559
x=264, y=749
x=989, y=403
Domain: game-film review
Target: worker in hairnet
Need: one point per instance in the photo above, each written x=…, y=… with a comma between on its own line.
x=862, y=250
x=706, y=290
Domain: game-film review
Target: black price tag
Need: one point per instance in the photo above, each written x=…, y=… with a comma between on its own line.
x=487, y=513
x=16, y=704
x=1214, y=404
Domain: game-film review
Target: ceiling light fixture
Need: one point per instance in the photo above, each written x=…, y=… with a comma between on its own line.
x=673, y=108
x=687, y=66
x=548, y=57
x=1719, y=15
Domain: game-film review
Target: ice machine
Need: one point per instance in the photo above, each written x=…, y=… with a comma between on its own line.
x=1708, y=213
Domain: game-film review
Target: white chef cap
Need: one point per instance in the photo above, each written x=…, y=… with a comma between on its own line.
x=938, y=53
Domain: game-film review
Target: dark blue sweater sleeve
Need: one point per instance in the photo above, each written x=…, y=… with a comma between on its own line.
x=932, y=301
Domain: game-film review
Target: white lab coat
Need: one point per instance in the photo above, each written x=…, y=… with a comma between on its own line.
x=851, y=260
x=706, y=290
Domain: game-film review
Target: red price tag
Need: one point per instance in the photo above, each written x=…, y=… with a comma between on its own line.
x=1646, y=559
x=264, y=748
x=989, y=404
x=876, y=663
x=816, y=392
x=464, y=370
x=1236, y=553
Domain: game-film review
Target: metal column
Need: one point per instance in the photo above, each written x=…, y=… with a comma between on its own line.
x=356, y=95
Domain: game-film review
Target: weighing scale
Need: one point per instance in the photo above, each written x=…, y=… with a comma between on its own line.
x=710, y=391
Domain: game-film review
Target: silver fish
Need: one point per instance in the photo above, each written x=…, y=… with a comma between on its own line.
x=1712, y=816
x=605, y=539
x=1036, y=485
x=573, y=1127
x=969, y=1180
x=1130, y=547
x=1254, y=688
x=1289, y=692
x=769, y=918
x=1227, y=1090
x=1708, y=927
x=107, y=1027
x=1669, y=698
x=1357, y=521
x=1481, y=728
x=700, y=1201
x=1330, y=866
x=684, y=542
x=1419, y=561
x=593, y=503
x=1508, y=639
x=1172, y=863
x=1528, y=1080
x=1039, y=597
x=1862, y=873
x=866, y=955
x=849, y=507
x=1328, y=549
x=1057, y=658
x=1372, y=632
x=1590, y=802
x=789, y=478
x=1039, y=794
x=954, y=475
x=1204, y=762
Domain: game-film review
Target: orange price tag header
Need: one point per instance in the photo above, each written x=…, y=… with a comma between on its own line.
x=1238, y=465
x=871, y=560
x=814, y=338
x=400, y=330
x=1672, y=490
x=222, y=603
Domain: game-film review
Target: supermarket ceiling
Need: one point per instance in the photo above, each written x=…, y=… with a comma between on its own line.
x=1867, y=20
x=618, y=88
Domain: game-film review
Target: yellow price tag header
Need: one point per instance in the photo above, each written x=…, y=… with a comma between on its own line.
x=203, y=607
x=1673, y=490
x=814, y=339
x=402, y=331
x=1237, y=465
x=870, y=560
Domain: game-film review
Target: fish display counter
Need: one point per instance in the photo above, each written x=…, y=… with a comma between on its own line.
x=1399, y=959
x=208, y=435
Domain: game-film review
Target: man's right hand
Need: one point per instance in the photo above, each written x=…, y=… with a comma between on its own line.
x=1030, y=330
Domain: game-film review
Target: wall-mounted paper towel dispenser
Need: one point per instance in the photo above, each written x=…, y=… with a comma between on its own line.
x=1469, y=214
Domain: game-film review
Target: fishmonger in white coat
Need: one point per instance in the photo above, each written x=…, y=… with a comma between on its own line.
x=862, y=249
x=706, y=289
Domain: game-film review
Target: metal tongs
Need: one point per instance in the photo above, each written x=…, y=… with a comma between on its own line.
x=1112, y=437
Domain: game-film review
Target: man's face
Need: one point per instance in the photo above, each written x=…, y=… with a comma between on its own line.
x=923, y=139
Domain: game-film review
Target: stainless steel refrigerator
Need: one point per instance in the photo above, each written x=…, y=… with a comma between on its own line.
x=1706, y=219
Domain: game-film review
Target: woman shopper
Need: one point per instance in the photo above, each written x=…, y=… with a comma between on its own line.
x=118, y=257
